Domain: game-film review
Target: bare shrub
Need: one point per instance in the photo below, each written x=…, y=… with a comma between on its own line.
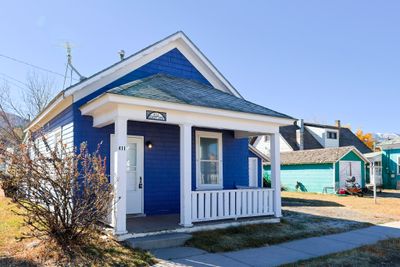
x=63, y=195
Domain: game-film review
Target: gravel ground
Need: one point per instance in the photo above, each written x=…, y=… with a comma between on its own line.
x=350, y=209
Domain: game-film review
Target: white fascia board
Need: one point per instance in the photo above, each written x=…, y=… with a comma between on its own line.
x=354, y=149
x=58, y=105
x=179, y=41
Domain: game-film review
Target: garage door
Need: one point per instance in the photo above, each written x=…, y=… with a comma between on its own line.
x=348, y=169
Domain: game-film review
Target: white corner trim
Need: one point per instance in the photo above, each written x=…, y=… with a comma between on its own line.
x=218, y=136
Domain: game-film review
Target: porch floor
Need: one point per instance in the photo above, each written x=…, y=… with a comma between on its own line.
x=146, y=224
x=170, y=222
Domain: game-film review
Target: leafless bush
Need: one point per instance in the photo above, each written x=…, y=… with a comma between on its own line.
x=62, y=194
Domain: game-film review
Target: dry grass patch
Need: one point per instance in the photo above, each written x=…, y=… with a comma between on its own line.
x=383, y=253
x=99, y=251
x=294, y=226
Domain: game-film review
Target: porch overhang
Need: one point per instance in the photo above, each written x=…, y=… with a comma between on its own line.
x=118, y=110
x=106, y=108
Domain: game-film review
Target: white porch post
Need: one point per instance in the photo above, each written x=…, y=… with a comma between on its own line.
x=120, y=142
x=186, y=174
x=276, y=173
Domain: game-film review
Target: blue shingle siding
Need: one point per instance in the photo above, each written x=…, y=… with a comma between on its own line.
x=234, y=156
x=172, y=63
x=162, y=162
x=161, y=166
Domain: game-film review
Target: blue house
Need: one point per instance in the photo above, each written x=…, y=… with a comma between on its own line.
x=176, y=134
x=390, y=163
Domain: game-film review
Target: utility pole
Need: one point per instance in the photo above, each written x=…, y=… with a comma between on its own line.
x=373, y=179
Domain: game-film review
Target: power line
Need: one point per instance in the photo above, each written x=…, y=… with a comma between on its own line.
x=14, y=79
x=12, y=82
x=32, y=65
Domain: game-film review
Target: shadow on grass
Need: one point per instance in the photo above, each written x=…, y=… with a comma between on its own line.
x=293, y=226
x=12, y=262
x=290, y=202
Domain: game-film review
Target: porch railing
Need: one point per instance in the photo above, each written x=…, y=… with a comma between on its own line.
x=225, y=204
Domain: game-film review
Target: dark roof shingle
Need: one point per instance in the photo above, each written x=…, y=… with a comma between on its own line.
x=346, y=138
x=184, y=91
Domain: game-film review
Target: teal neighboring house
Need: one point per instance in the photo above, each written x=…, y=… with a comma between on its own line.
x=321, y=170
x=390, y=163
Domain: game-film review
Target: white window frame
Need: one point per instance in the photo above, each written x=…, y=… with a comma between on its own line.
x=398, y=165
x=218, y=136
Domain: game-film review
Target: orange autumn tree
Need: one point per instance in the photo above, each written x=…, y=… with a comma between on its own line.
x=366, y=138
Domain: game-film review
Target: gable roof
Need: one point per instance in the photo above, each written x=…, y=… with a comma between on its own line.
x=318, y=156
x=346, y=137
x=289, y=134
x=184, y=91
x=101, y=78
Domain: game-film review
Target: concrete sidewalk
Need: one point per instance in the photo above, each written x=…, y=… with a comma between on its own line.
x=279, y=254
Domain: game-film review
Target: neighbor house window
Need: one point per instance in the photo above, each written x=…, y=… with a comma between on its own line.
x=398, y=165
x=331, y=135
x=209, y=160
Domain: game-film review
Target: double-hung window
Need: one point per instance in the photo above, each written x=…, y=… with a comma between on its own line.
x=208, y=160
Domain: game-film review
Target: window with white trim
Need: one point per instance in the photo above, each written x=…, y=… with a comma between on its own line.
x=398, y=165
x=208, y=160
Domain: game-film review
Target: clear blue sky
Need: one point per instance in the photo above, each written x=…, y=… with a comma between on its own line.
x=318, y=60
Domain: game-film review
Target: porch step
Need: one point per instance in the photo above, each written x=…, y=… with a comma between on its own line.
x=159, y=241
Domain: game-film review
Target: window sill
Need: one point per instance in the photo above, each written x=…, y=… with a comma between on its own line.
x=213, y=187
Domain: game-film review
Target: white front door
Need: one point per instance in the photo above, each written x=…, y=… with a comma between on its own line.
x=134, y=175
x=348, y=169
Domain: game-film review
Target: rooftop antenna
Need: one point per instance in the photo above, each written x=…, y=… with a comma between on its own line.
x=69, y=64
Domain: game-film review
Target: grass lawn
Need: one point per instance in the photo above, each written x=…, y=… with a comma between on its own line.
x=290, y=228
x=29, y=252
x=383, y=253
x=304, y=215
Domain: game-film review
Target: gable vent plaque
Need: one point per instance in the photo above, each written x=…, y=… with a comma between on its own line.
x=156, y=115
